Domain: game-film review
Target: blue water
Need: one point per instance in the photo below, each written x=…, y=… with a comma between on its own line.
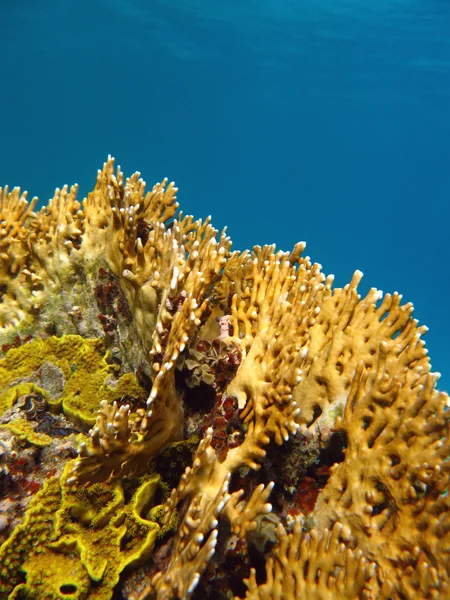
x=319, y=120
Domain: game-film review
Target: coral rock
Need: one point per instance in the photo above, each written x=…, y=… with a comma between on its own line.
x=324, y=443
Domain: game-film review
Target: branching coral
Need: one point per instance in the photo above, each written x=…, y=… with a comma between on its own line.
x=313, y=566
x=15, y=214
x=391, y=488
x=252, y=350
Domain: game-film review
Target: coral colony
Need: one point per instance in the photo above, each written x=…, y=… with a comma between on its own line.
x=178, y=420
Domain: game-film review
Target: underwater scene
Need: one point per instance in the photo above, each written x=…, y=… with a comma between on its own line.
x=193, y=405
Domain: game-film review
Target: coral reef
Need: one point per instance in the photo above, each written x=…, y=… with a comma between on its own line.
x=178, y=420
x=76, y=543
x=68, y=373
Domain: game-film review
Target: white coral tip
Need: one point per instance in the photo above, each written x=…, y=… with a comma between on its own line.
x=193, y=584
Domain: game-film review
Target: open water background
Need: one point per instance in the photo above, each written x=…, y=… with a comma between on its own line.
x=319, y=120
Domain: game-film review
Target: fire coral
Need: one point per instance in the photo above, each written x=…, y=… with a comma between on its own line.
x=259, y=433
